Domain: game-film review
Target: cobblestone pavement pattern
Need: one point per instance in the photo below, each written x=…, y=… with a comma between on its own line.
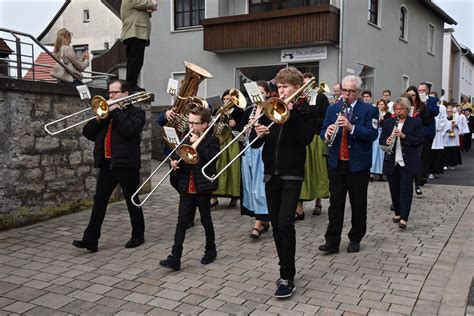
x=424, y=270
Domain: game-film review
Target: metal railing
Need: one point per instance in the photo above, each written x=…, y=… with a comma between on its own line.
x=24, y=60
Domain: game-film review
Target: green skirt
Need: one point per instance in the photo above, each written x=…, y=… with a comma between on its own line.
x=229, y=180
x=316, y=182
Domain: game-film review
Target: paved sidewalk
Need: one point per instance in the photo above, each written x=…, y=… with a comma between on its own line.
x=424, y=270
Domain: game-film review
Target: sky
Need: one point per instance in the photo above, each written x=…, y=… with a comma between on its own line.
x=35, y=16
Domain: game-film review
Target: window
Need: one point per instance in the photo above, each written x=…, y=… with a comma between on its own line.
x=188, y=13
x=86, y=16
x=403, y=22
x=79, y=49
x=272, y=5
x=367, y=74
x=374, y=12
x=405, y=82
x=106, y=45
x=431, y=39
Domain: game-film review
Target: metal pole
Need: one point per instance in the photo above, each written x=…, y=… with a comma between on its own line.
x=18, y=57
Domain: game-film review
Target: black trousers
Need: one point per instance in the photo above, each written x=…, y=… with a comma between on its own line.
x=128, y=179
x=282, y=199
x=187, y=210
x=467, y=141
x=427, y=159
x=401, y=191
x=135, y=53
x=341, y=181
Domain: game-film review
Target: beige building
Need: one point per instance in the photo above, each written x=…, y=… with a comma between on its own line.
x=92, y=23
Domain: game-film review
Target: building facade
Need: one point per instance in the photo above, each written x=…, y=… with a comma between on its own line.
x=390, y=44
x=93, y=24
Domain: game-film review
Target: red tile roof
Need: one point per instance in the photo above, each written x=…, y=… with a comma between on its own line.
x=41, y=72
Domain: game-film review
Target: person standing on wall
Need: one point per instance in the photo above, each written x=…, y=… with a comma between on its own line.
x=136, y=29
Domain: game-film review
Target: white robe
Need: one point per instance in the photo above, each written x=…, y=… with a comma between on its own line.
x=463, y=127
x=453, y=141
x=441, y=128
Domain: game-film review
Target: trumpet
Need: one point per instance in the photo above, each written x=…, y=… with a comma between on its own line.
x=188, y=152
x=388, y=149
x=330, y=141
x=155, y=171
x=101, y=109
x=276, y=110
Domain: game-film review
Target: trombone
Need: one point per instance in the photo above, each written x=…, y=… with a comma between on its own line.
x=155, y=171
x=101, y=109
x=276, y=110
x=188, y=152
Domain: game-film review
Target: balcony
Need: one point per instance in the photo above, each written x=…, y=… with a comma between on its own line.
x=282, y=28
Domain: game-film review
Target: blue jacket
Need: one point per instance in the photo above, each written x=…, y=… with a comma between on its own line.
x=413, y=130
x=433, y=109
x=365, y=119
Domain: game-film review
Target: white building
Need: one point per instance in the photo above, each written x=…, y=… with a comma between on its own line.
x=458, y=65
x=92, y=23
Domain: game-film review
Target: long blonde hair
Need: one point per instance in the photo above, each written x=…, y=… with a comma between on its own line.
x=63, y=36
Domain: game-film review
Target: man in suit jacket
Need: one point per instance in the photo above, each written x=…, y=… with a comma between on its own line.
x=350, y=159
x=136, y=28
x=470, y=124
x=404, y=163
x=427, y=155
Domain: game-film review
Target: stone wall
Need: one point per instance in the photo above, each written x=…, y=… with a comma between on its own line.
x=157, y=133
x=44, y=176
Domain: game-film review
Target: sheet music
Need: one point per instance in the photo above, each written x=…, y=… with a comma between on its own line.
x=171, y=135
x=254, y=92
x=172, y=86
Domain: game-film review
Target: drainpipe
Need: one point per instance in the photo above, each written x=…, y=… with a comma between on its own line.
x=341, y=25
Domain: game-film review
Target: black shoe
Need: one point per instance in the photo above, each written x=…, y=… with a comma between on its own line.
x=285, y=288
x=354, y=246
x=172, y=263
x=329, y=248
x=299, y=217
x=209, y=256
x=137, y=89
x=266, y=227
x=92, y=247
x=134, y=242
x=418, y=191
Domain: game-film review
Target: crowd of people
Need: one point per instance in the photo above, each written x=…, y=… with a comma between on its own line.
x=329, y=147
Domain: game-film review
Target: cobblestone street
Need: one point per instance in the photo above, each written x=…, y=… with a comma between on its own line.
x=424, y=270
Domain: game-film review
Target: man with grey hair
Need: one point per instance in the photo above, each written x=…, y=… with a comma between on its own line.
x=350, y=159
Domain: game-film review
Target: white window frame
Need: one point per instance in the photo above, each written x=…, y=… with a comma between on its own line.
x=407, y=77
x=189, y=28
x=375, y=75
x=405, y=25
x=379, y=14
x=433, y=45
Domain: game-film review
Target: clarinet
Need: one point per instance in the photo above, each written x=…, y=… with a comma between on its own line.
x=330, y=141
x=388, y=149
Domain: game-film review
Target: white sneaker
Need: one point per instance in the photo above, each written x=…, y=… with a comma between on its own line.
x=445, y=168
x=431, y=176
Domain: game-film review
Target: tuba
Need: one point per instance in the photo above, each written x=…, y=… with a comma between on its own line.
x=185, y=100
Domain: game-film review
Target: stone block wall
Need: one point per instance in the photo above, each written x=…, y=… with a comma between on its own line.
x=44, y=176
x=157, y=133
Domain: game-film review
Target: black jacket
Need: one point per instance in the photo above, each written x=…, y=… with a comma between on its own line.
x=207, y=149
x=413, y=129
x=284, y=148
x=127, y=126
x=322, y=104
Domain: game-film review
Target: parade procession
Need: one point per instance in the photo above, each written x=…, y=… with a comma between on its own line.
x=274, y=157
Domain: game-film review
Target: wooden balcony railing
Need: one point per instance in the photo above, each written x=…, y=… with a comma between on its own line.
x=110, y=60
x=282, y=28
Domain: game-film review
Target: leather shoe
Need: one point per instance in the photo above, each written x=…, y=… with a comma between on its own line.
x=354, y=246
x=172, y=263
x=92, y=247
x=329, y=248
x=209, y=256
x=134, y=242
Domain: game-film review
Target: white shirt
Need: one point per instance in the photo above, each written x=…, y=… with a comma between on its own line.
x=398, y=148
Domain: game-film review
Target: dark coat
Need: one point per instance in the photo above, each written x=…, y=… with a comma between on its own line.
x=284, y=148
x=127, y=126
x=207, y=149
x=322, y=104
x=413, y=129
x=365, y=118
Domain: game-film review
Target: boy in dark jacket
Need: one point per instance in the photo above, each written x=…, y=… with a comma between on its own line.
x=117, y=155
x=195, y=190
x=284, y=155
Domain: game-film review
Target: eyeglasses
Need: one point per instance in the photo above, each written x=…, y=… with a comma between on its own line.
x=114, y=92
x=194, y=123
x=351, y=91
